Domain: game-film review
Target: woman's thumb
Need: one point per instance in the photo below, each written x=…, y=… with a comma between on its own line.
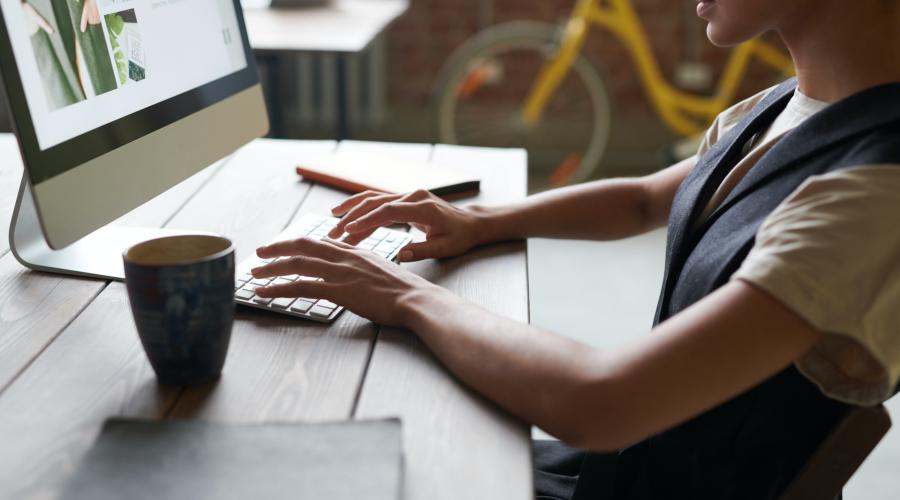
x=424, y=250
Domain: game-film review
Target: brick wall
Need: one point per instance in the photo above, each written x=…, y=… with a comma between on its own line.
x=421, y=41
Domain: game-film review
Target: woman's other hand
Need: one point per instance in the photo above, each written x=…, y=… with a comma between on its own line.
x=449, y=230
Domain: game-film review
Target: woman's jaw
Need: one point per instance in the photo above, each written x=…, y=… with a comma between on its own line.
x=732, y=22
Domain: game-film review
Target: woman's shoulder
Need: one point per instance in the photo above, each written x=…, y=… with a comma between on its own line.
x=831, y=253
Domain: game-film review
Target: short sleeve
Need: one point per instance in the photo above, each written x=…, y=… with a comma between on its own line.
x=831, y=253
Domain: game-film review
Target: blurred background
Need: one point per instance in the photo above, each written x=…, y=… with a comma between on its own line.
x=391, y=84
x=466, y=70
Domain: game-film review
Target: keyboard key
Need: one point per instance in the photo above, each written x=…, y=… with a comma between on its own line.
x=385, y=241
x=326, y=303
x=282, y=302
x=301, y=305
x=384, y=246
x=320, y=311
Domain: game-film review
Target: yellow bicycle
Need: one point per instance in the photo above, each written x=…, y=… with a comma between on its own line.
x=527, y=84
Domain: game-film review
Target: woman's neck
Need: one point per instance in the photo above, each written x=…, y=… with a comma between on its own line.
x=842, y=47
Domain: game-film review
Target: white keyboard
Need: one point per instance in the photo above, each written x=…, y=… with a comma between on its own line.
x=384, y=242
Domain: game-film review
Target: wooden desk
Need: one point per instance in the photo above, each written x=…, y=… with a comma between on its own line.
x=70, y=356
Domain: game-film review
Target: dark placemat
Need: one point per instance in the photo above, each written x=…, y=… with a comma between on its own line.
x=196, y=460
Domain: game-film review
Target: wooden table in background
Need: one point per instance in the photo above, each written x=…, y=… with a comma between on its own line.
x=70, y=356
x=340, y=27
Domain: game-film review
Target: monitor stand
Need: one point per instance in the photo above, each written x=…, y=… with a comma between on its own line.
x=97, y=255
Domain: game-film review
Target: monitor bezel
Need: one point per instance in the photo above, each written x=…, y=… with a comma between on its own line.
x=42, y=165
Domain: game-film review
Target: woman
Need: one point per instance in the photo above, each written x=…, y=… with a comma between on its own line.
x=779, y=304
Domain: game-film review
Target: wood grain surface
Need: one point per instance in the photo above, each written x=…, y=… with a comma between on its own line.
x=70, y=356
x=69, y=359
x=457, y=444
x=280, y=368
x=51, y=414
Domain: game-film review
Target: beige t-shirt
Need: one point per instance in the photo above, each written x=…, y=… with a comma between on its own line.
x=831, y=253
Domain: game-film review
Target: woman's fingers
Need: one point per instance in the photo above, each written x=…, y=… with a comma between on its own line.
x=361, y=208
x=344, y=206
x=355, y=238
x=299, y=288
x=360, y=204
x=304, y=266
x=396, y=212
x=300, y=246
x=340, y=244
x=429, y=249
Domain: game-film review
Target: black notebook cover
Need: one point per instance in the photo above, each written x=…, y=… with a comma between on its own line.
x=137, y=460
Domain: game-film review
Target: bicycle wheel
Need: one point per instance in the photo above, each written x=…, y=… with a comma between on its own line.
x=481, y=93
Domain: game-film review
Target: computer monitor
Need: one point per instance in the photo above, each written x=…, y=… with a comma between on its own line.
x=113, y=103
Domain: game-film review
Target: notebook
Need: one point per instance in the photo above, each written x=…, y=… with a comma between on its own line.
x=174, y=460
x=357, y=172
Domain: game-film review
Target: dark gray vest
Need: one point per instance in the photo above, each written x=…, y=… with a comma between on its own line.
x=753, y=445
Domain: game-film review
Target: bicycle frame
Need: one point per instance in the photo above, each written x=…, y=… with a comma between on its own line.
x=685, y=113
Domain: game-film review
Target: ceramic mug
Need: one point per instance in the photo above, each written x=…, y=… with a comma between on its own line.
x=181, y=290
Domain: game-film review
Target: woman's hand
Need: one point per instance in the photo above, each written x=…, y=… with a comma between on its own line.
x=449, y=230
x=359, y=280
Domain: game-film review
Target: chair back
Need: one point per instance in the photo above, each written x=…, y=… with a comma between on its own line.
x=838, y=457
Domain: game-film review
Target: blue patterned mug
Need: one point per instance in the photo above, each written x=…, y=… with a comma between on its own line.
x=181, y=290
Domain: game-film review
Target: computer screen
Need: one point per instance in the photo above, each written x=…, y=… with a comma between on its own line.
x=88, y=66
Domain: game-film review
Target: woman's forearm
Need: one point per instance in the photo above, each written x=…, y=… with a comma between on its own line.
x=605, y=399
x=600, y=210
x=536, y=375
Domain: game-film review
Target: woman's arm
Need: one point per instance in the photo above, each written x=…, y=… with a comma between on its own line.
x=607, y=399
x=599, y=210
x=599, y=399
